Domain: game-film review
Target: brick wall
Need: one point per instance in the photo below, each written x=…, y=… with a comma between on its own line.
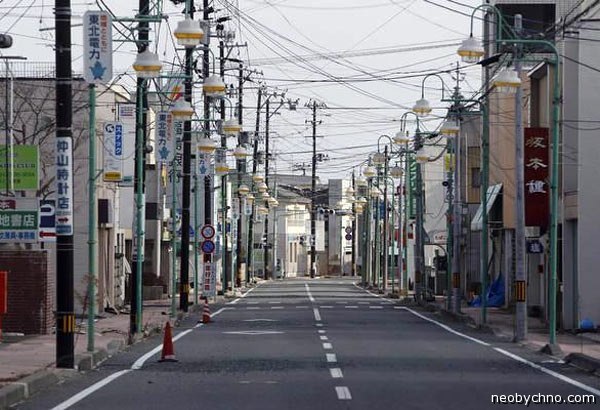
x=30, y=292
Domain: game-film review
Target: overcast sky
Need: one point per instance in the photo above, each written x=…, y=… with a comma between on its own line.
x=364, y=59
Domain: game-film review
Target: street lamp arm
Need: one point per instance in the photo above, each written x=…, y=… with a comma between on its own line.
x=384, y=136
x=403, y=120
x=432, y=75
x=496, y=12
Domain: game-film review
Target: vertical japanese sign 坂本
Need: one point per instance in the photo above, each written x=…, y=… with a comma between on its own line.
x=537, y=191
x=97, y=47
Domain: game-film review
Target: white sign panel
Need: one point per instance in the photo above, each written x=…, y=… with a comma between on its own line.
x=165, y=147
x=178, y=154
x=209, y=280
x=113, y=152
x=203, y=163
x=64, y=186
x=97, y=47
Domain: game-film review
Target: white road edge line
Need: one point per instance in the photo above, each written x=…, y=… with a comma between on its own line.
x=336, y=373
x=310, y=296
x=343, y=393
x=233, y=302
x=135, y=366
x=447, y=328
x=512, y=356
x=317, y=314
x=549, y=372
x=86, y=392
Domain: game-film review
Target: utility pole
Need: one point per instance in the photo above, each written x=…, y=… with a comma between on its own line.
x=65, y=316
x=241, y=168
x=313, y=188
x=92, y=240
x=254, y=170
x=354, y=224
x=455, y=204
x=420, y=279
x=385, y=244
x=266, y=225
x=184, y=282
x=207, y=258
x=226, y=266
x=520, y=271
x=135, y=315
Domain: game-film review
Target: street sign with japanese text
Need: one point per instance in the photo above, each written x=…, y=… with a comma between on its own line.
x=97, y=47
x=534, y=246
x=165, y=147
x=113, y=152
x=64, y=186
x=209, y=282
x=412, y=186
x=19, y=226
x=536, y=189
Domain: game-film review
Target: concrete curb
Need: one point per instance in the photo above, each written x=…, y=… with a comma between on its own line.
x=584, y=362
x=26, y=387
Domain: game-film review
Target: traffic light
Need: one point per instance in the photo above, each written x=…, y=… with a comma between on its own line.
x=6, y=41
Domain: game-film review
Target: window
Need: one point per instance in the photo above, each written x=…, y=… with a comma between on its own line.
x=475, y=177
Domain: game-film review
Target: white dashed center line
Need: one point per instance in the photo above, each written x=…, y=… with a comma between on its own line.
x=331, y=358
x=343, y=393
x=327, y=346
x=310, y=296
x=317, y=314
x=336, y=373
x=324, y=338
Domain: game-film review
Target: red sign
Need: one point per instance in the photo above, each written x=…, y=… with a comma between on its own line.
x=537, y=171
x=3, y=292
x=8, y=204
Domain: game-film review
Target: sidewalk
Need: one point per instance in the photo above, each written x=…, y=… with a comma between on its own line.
x=27, y=362
x=581, y=350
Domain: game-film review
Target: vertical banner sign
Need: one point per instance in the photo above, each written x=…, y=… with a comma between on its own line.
x=113, y=152
x=537, y=191
x=209, y=282
x=164, y=137
x=178, y=152
x=412, y=185
x=97, y=47
x=203, y=163
x=64, y=184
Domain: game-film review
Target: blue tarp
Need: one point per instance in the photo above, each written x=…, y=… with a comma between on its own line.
x=495, y=294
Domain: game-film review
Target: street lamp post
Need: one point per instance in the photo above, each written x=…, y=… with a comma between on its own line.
x=369, y=172
x=472, y=51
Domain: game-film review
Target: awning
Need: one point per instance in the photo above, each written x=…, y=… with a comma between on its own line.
x=492, y=194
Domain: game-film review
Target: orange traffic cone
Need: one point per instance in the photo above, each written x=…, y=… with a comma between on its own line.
x=206, y=312
x=168, y=352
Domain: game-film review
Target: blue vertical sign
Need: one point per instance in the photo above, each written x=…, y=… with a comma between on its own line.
x=113, y=152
